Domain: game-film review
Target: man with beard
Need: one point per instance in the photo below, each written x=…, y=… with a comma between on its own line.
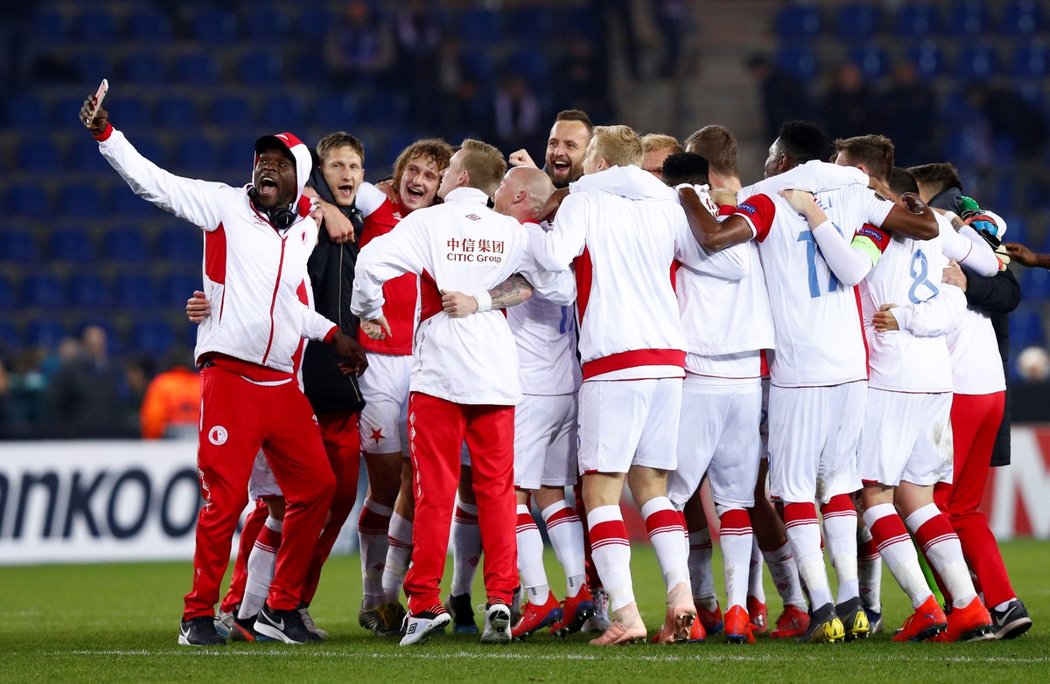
x=566, y=148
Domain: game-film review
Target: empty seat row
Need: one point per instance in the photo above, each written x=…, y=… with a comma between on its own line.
x=150, y=335
x=179, y=242
x=89, y=290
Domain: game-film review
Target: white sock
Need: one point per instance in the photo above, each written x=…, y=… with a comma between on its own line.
x=466, y=547
x=804, y=536
x=869, y=567
x=840, y=537
x=611, y=553
x=701, y=577
x=566, y=534
x=398, y=555
x=895, y=547
x=756, y=587
x=735, y=537
x=530, y=558
x=941, y=546
x=664, y=525
x=372, y=529
x=261, y=563
x=784, y=572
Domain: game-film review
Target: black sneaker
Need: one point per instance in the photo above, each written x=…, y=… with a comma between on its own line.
x=243, y=629
x=1012, y=622
x=854, y=619
x=463, y=621
x=825, y=627
x=284, y=625
x=199, y=631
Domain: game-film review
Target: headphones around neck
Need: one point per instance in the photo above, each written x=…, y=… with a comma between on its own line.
x=280, y=217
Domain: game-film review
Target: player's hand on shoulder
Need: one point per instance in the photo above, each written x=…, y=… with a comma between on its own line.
x=800, y=200
x=723, y=197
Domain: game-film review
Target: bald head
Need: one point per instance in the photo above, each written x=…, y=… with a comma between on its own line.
x=522, y=193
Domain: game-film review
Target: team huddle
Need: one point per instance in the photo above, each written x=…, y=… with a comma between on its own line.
x=628, y=313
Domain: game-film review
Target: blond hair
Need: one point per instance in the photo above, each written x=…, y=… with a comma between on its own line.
x=656, y=142
x=618, y=145
x=484, y=165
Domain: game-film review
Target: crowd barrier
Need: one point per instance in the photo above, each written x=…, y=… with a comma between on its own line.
x=100, y=501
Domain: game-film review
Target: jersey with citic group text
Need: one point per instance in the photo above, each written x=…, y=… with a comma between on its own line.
x=381, y=215
x=819, y=337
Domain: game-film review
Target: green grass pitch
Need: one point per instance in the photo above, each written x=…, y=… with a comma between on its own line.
x=120, y=623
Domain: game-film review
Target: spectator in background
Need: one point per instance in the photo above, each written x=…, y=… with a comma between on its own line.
x=84, y=395
x=1011, y=117
x=172, y=405
x=358, y=47
x=908, y=114
x=671, y=18
x=582, y=79
x=848, y=107
x=784, y=97
x=418, y=37
x=517, y=113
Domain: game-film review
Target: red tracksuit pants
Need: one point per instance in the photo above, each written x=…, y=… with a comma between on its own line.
x=342, y=443
x=238, y=417
x=436, y=430
x=975, y=423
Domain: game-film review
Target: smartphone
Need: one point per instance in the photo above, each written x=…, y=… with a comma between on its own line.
x=100, y=95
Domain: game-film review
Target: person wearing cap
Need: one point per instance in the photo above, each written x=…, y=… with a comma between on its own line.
x=257, y=239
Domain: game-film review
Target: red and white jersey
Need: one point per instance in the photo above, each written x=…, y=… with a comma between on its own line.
x=401, y=309
x=545, y=333
x=254, y=275
x=623, y=228
x=461, y=246
x=819, y=337
x=724, y=316
x=909, y=274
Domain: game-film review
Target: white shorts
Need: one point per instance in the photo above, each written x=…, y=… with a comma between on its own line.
x=384, y=420
x=262, y=482
x=814, y=433
x=545, y=441
x=629, y=422
x=906, y=437
x=718, y=434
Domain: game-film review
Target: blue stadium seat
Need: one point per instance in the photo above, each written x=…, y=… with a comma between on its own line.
x=145, y=67
x=196, y=156
x=127, y=244
x=1026, y=327
x=872, y=60
x=28, y=200
x=214, y=26
x=70, y=244
x=84, y=157
x=1035, y=284
x=915, y=19
x=263, y=65
x=134, y=292
x=1031, y=60
x=44, y=332
x=94, y=66
x=9, y=337
x=178, y=112
x=282, y=113
x=152, y=336
x=181, y=242
x=8, y=294
x=84, y=201
x=27, y=112
x=480, y=24
x=229, y=111
x=39, y=155
x=95, y=25
x=65, y=111
x=237, y=155
x=146, y=24
x=967, y=18
x=532, y=64
x=797, y=22
x=18, y=246
x=335, y=112
x=798, y=60
x=858, y=21
x=1016, y=225
x=44, y=290
x=266, y=23
x=928, y=58
x=177, y=287
x=530, y=21
x=51, y=26
x=132, y=113
x=312, y=24
x=1023, y=18
x=976, y=61
x=127, y=205
x=89, y=290
x=197, y=69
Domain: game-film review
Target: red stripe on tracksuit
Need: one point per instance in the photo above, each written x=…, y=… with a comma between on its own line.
x=439, y=428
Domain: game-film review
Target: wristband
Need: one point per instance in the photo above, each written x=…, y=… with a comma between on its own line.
x=484, y=300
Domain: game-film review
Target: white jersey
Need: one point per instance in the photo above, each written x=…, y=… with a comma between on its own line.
x=460, y=245
x=545, y=333
x=909, y=274
x=977, y=367
x=725, y=318
x=254, y=275
x=819, y=337
x=624, y=229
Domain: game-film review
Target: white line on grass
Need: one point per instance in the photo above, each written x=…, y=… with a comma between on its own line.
x=619, y=654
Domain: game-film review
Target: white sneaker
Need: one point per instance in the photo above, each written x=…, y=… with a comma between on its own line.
x=420, y=627
x=599, y=622
x=497, y=625
x=308, y=622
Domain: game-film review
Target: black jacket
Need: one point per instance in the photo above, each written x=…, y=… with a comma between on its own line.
x=331, y=269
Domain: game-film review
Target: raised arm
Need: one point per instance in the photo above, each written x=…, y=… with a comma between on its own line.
x=706, y=230
x=915, y=219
